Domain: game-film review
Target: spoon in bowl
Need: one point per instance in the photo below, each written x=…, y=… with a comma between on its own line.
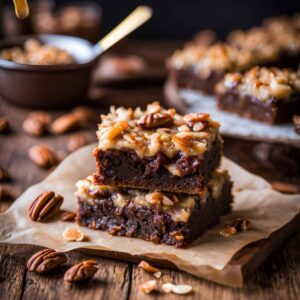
x=60, y=86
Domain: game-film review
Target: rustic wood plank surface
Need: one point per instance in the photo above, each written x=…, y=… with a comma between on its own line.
x=278, y=278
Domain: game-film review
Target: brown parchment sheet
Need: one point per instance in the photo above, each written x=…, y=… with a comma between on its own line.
x=207, y=257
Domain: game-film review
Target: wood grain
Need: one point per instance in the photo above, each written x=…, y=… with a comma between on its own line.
x=277, y=278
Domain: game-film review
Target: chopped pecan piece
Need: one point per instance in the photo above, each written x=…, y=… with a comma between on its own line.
x=45, y=206
x=238, y=225
x=68, y=216
x=43, y=156
x=82, y=271
x=155, y=120
x=4, y=125
x=148, y=286
x=73, y=235
x=147, y=267
x=228, y=231
x=45, y=260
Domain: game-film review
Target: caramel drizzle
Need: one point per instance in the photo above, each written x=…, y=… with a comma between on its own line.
x=21, y=9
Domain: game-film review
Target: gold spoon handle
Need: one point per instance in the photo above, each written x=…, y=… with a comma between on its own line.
x=138, y=17
x=21, y=9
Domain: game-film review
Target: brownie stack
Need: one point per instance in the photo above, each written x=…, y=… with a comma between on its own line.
x=157, y=178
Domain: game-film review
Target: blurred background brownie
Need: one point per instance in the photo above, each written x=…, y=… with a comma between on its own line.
x=268, y=95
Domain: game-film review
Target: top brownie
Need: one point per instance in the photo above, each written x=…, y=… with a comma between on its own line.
x=157, y=149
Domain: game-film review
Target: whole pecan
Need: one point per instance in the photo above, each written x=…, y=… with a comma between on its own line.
x=45, y=206
x=154, y=120
x=4, y=125
x=82, y=271
x=66, y=123
x=43, y=156
x=45, y=260
x=85, y=114
x=34, y=127
x=77, y=141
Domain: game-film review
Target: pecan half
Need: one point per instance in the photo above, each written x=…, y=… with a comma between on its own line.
x=68, y=216
x=154, y=120
x=82, y=271
x=34, y=127
x=43, y=156
x=45, y=260
x=66, y=123
x=147, y=267
x=77, y=141
x=45, y=206
x=4, y=125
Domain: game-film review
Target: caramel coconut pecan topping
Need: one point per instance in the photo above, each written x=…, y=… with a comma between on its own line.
x=262, y=83
x=256, y=40
x=157, y=130
x=206, y=60
x=45, y=260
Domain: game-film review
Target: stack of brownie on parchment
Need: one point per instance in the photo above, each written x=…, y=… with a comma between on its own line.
x=157, y=178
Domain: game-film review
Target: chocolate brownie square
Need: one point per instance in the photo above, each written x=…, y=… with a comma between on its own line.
x=200, y=67
x=157, y=149
x=161, y=217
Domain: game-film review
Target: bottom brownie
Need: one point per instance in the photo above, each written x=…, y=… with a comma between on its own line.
x=173, y=219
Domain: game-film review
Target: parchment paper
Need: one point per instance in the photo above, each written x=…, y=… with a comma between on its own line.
x=236, y=126
x=207, y=257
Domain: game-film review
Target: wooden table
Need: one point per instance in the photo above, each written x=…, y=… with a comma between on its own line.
x=278, y=278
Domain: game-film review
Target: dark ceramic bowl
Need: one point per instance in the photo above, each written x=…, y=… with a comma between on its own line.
x=50, y=86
